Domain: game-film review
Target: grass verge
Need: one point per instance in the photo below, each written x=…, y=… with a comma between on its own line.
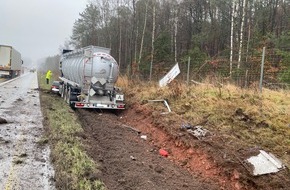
x=73, y=167
x=243, y=116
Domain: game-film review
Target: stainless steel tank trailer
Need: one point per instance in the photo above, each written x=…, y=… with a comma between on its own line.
x=88, y=78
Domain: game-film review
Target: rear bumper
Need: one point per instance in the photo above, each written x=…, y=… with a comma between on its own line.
x=55, y=90
x=99, y=105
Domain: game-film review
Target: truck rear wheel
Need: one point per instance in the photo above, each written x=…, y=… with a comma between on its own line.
x=70, y=98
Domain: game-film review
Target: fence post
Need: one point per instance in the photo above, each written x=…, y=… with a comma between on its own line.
x=262, y=70
x=246, y=79
x=188, y=68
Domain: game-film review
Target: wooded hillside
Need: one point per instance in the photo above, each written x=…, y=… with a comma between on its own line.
x=223, y=38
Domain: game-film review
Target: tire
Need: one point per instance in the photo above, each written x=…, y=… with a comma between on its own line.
x=71, y=98
x=72, y=105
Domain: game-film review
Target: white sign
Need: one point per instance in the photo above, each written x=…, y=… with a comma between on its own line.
x=169, y=76
x=119, y=97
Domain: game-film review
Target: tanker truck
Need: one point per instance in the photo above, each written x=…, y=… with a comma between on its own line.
x=88, y=77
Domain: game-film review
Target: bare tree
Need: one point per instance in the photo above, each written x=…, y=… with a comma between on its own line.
x=242, y=33
x=153, y=38
x=143, y=34
x=120, y=36
x=175, y=34
x=232, y=36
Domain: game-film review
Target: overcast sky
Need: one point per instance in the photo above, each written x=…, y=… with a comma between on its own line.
x=37, y=28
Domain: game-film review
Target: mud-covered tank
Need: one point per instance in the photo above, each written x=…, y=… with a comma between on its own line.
x=87, y=63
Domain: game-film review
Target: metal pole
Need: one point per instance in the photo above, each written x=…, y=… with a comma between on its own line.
x=262, y=70
x=188, y=67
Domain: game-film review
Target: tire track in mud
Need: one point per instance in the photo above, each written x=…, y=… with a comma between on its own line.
x=128, y=162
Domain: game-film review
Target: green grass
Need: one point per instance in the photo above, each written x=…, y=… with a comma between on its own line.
x=73, y=167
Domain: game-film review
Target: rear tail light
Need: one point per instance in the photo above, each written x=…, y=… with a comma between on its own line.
x=121, y=106
x=79, y=105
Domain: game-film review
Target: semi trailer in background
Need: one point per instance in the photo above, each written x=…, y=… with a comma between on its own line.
x=10, y=62
x=88, y=78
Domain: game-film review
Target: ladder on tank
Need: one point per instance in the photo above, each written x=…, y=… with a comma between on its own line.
x=88, y=66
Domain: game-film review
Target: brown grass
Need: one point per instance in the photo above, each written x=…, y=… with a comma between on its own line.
x=244, y=115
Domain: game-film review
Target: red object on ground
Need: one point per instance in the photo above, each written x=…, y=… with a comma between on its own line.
x=163, y=152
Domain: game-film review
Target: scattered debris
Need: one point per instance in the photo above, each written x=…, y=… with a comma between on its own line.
x=265, y=163
x=2, y=140
x=129, y=127
x=158, y=169
x=197, y=83
x=186, y=126
x=163, y=152
x=164, y=101
x=2, y=120
x=143, y=137
x=198, y=131
x=240, y=115
x=18, y=161
x=22, y=155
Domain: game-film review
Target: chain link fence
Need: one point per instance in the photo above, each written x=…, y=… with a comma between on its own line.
x=276, y=72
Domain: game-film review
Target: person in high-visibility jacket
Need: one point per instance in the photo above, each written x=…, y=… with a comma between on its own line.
x=48, y=76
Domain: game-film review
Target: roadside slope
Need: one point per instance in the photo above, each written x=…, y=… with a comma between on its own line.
x=128, y=162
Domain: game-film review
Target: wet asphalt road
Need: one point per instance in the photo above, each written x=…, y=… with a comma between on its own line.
x=23, y=163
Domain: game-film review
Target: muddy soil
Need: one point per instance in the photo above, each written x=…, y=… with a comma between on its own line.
x=213, y=157
x=127, y=161
x=24, y=162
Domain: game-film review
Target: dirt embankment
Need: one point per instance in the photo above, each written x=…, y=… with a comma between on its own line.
x=130, y=162
x=127, y=161
x=215, y=157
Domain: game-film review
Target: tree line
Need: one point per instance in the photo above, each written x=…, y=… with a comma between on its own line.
x=223, y=38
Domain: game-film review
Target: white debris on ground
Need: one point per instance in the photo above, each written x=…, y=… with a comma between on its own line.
x=265, y=163
x=197, y=131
